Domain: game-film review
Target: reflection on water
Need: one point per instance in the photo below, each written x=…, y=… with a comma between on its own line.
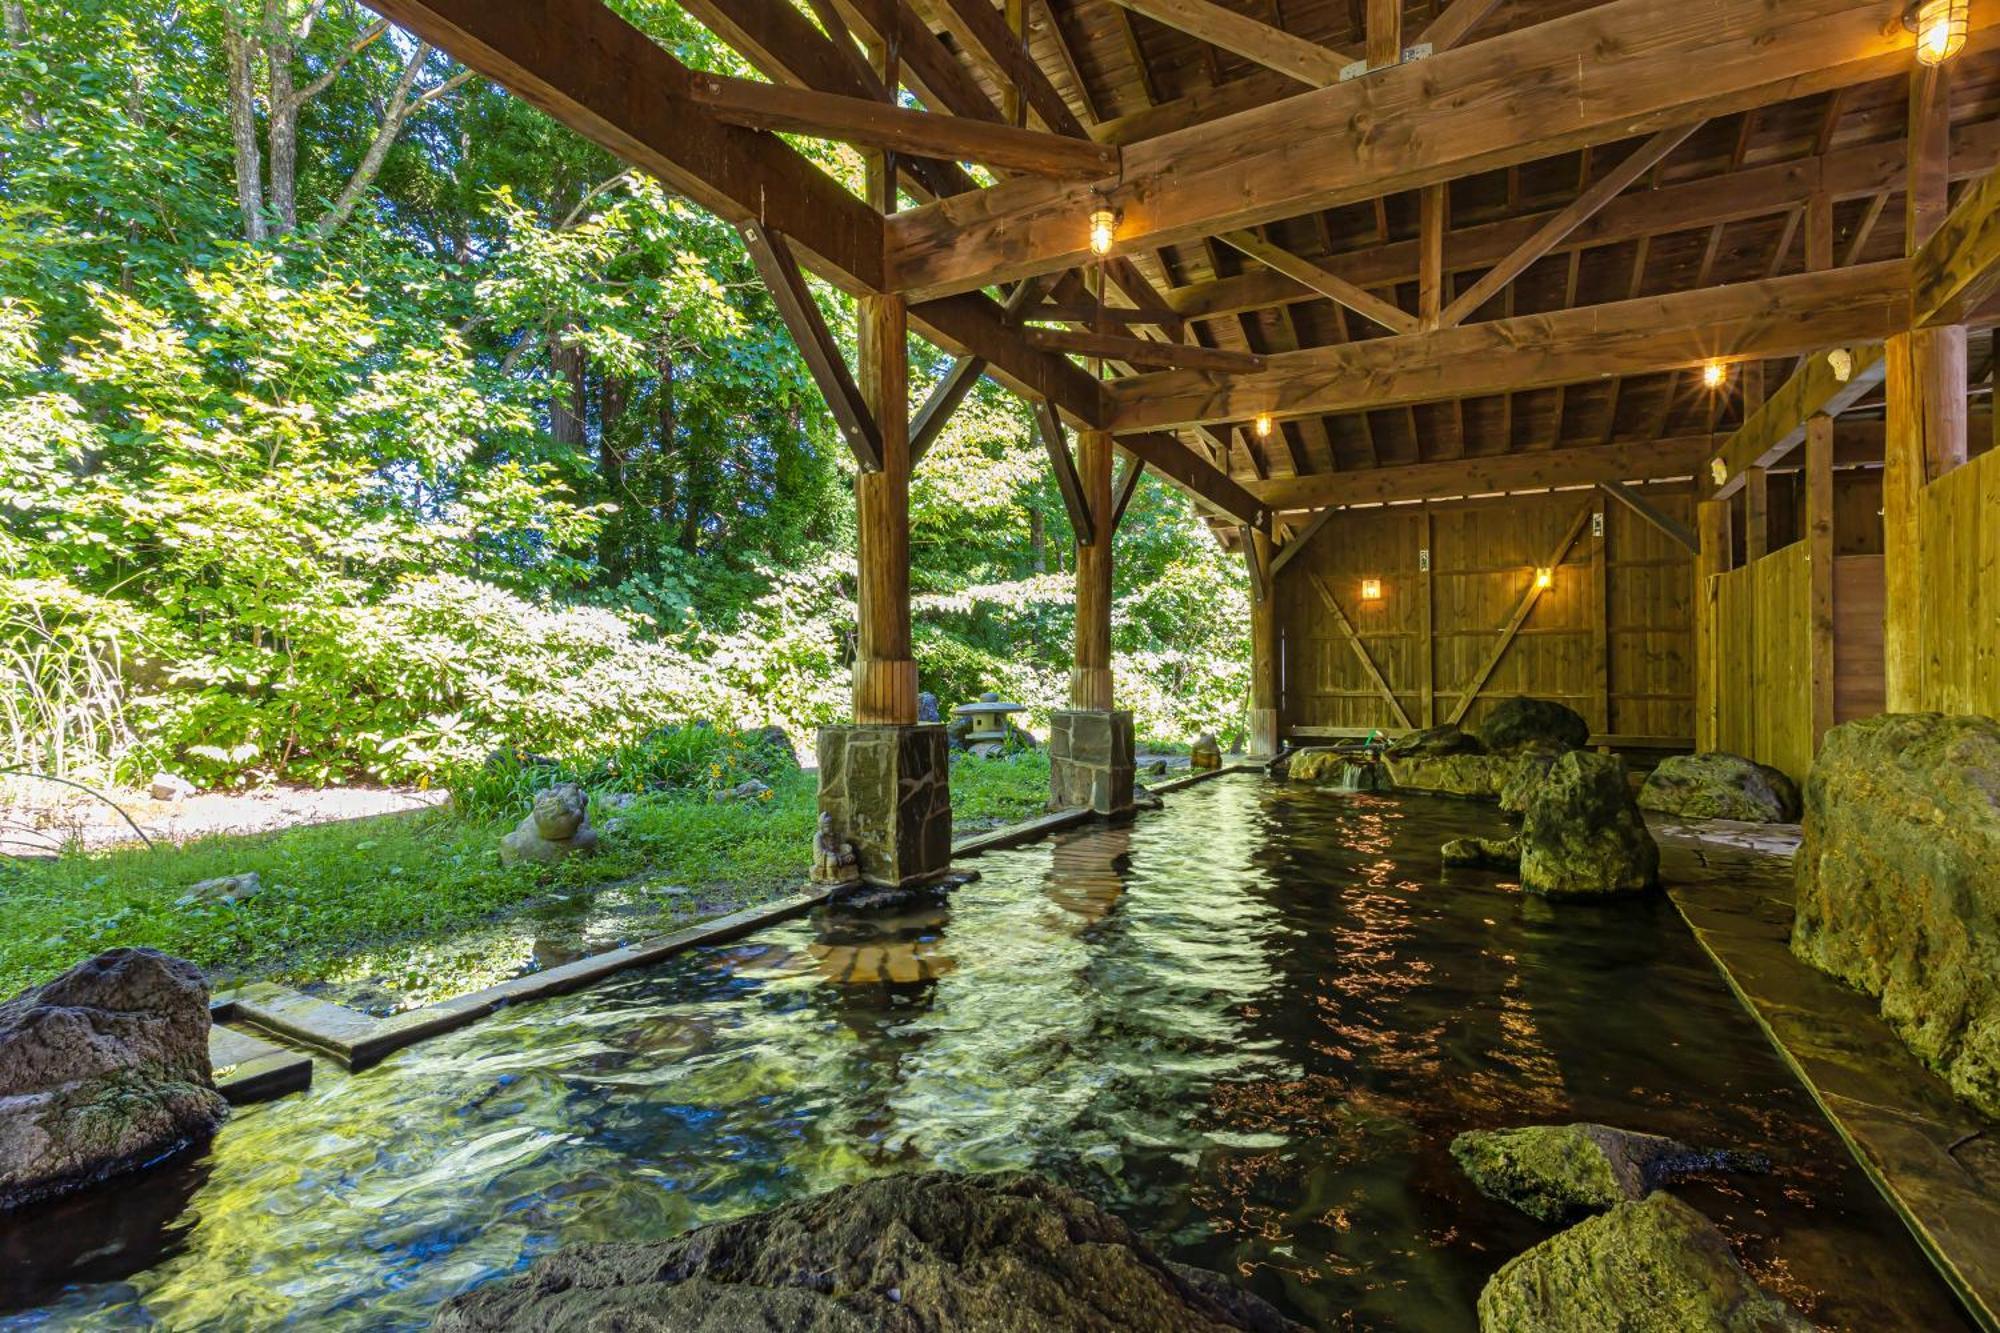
x=1251, y=1025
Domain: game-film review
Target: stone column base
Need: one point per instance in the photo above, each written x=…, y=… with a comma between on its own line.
x=1263, y=731
x=888, y=788
x=1090, y=760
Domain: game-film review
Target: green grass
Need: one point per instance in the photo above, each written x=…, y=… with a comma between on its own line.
x=405, y=883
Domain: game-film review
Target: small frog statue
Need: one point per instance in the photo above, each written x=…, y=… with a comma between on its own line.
x=834, y=861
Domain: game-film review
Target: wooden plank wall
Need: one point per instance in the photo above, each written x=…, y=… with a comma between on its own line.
x=1611, y=636
x=1763, y=616
x=1959, y=528
x=1858, y=596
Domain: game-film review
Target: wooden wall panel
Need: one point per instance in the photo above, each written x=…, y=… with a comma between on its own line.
x=1959, y=531
x=1609, y=637
x=1763, y=643
x=1857, y=637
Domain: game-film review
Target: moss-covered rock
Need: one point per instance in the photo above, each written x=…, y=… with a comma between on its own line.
x=1529, y=765
x=898, y=1254
x=1521, y=721
x=1583, y=835
x=1655, y=1266
x=1351, y=769
x=1717, y=785
x=1433, y=741
x=1483, y=853
x=1479, y=776
x=1899, y=884
x=102, y=1071
x=1557, y=1173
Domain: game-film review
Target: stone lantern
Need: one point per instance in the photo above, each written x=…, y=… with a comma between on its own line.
x=987, y=733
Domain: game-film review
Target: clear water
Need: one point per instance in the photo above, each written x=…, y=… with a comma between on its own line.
x=1250, y=1025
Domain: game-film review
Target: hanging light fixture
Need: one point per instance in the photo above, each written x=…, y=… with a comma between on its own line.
x=1103, y=227
x=1713, y=374
x=1940, y=26
x=1544, y=577
x=1263, y=425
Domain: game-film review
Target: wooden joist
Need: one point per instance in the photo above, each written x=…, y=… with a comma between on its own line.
x=780, y=271
x=944, y=399
x=768, y=106
x=1330, y=285
x=1779, y=426
x=1649, y=460
x=1959, y=266
x=1063, y=464
x=1775, y=317
x=978, y=22
x=1256, y=41
x=1142, y=351
x=1594, y=76
x=617, y=87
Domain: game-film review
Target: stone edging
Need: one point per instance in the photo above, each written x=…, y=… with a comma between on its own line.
x=357, y=1040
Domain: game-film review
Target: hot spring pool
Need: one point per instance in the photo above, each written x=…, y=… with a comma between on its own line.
x=1250, y=1025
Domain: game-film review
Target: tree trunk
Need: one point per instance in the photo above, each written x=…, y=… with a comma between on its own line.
x=669, y=423
x=243, y=125
x=613, y=398
x=566, y=406
x=283, y=112
x=1038, y=540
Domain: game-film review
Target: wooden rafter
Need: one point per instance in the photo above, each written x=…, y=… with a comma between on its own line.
x=779, y=268
x=1551, y=234
x=1598, y=74
x=944, y=399
x=1520, y=616
x=1142, y=351
x=1959, y=266
x=1455, y=24
x=1063, y=464
x=1533, y=470
x=1274, y=48
x=1330, y=285
x=1346, y=629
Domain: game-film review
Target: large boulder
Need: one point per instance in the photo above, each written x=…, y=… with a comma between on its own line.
x=103, y=1070
x=1583, y=835
x=1899, y=884
x=1521, y=721
x=1475, y=775
x=902, y=1254
x=1351, y=770
x=1558, y=1173
x=1431, y=741
x=1527, y=767
x=557, y=828
x=1483, y=853
x=1655, y=1266
x=1717, y=785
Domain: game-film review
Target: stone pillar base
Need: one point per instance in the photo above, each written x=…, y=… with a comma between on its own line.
x=1090, y=760
x=1263, y=731
x=888, y=788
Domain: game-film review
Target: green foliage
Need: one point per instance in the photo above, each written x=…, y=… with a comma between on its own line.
x=695, y=758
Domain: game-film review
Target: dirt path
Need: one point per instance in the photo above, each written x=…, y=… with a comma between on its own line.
x=39, y=818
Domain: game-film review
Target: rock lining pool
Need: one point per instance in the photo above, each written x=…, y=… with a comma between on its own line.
x=1250, y=1025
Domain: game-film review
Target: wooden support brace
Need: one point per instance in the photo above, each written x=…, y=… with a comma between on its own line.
x=1260, y=574
x=780, y=270
x=1291, y=549
x=943, y=401
x=1064, y=465
x=1667, y=523
x=1128, y=485
x=1519, y=618
x=1360, y=650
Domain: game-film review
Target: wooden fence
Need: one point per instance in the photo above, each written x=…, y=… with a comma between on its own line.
x=1959, y=531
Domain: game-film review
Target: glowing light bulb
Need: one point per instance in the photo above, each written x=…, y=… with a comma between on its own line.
x=1544, y=577
x=1940, y=26
x=1713, y=374
x=1371, y=590
x=1263, y=425
x=1841, y=362
x=1103, y=223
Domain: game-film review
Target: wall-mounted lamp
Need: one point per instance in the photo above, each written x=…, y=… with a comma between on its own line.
x=1544, y=577
x=1713, y=374
x=1841, y=362
x=1718, y=471
x=1940, y=26
x=1103, y=227
x=1371, y=590
x=1263, y=425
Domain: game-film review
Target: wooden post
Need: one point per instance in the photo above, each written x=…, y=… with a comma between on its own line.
x=1264, y=653
x=1818, y=503
x=1711, y=559
x=1090, y=680
x=1756, y=514
x=1600, y=618
x=1427, y=621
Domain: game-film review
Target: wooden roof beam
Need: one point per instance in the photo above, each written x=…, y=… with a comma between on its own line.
x=1594, y=76
x=1772, y=317
x=1540, y=469
x=1455, y=24
x=1256, y=41
x=875, y=124
x=1779, y=426
x=1142, y=351
x=1959, y=266
x=617, y=87
x=1177, y=464
x=1330, y=285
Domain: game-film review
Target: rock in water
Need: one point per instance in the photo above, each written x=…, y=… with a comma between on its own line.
x=1483, y=853
x=1432, y=741
x=1469, y=773
x=1720, y=786
x=1583, y=835
x=1898, y=891
x=557, y=827
x=902, y=1254
x=1656, y=1266
x=1557, y=1173
x=103, y=1070
x=1517, y=722
x=1530, y=764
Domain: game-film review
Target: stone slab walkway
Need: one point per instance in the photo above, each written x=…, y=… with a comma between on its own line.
x=1935, y=1159
x=249, y=1069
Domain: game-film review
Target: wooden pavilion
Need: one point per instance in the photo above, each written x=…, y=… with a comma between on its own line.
x=1616, y=351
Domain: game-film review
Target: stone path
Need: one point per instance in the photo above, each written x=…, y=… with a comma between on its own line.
x=1935, y=1159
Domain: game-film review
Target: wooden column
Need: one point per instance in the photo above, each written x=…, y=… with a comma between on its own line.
x=1818, y=524
x=1090, y=679
x=1756, y=514
x=1712, y=524
x=1264, y=652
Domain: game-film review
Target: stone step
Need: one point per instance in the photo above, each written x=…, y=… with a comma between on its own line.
x=250, y=1069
